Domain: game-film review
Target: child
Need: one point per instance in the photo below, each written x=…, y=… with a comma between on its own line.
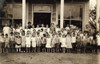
x=41, y=33
x=47, y=28
x=38, y=42
x=84, y=41
x=57, y=28
x=32, y=29
x=43, y=42
x=12, y=42
x=68, y=42
x=63, y=43
x=6, y=43
x=18, y=41
x=2, y=42
x=38, y=28
x=91, y=41
x=78, y=42
x=53, y=43
x=28, y=43
x=42, y=27
x=48, y=44
x=23, y=41
x=73, y=41
x=57, y=45
x=33, y=40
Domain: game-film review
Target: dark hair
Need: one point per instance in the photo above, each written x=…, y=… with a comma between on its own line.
x=11, y=33
x=29, y=22
x=6, y=34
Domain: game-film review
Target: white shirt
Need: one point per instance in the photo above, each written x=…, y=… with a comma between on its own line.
x=6, y=30
x=28, y=40
x=73, y=39
x=48, y=45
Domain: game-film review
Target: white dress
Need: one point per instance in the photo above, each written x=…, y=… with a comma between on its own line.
x=28, y=41
x=63, y=42
x=23, y=41
x=57, y=29
x=48, y=44
x=33, y=39
x=69, y=44
x=6, y=30
x=18, y=30
x=38, y=29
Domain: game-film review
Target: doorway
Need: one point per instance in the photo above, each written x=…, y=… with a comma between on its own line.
x=42, y=18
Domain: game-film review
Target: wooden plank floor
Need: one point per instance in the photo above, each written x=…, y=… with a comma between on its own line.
x=49, y=58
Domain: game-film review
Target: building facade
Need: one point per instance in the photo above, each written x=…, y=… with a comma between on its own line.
x=59, y=12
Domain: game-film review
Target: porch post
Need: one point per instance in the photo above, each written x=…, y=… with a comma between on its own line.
x=97, y=15
x=23, y=13
x=61, y=13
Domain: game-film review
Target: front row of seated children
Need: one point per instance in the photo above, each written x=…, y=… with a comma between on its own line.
x=47, y=43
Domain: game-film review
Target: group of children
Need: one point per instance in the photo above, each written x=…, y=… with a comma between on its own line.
x=45, y=39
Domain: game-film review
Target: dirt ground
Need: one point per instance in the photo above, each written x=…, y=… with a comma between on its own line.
x=49, y=58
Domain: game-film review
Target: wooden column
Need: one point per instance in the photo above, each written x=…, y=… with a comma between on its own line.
x=98, y=15
x=61, y=13
x=23, y=13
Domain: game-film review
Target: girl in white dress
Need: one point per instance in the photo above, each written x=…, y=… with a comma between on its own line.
x=63, y=43
x=33, y=40
x=68, y=42
x=48, y=44
x=28, y=43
